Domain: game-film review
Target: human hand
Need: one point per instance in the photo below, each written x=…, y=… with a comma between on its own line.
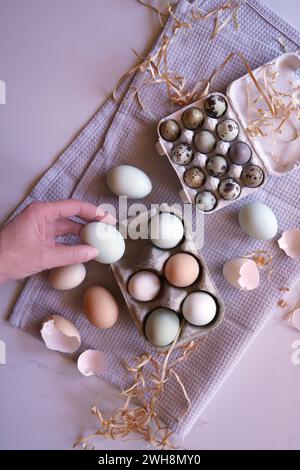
x=28, y=243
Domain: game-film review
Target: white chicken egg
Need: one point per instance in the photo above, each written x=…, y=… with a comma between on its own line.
x=67, y=277
x=106, y=238
x=241, y=273
x=258, y=221
x=166, y=230
x=127, y=180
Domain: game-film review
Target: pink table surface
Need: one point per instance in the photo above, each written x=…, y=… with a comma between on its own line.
x=60, y=60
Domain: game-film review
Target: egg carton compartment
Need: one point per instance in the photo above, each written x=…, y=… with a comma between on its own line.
x=141, y=255
x=204, y=169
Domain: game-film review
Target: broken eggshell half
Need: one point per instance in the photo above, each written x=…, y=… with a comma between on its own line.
x=92, y=362
x=242, y=273
x=290, y=243
x=59, y=334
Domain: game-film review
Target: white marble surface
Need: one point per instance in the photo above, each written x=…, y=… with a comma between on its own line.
x=44, y=402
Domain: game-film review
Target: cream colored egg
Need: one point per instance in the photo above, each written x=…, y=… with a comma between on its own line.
x=144, y=286
x=67, y=277
x=106, y=238
x=100, y=307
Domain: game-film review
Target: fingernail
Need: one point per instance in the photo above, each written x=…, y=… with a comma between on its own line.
x=92, y=252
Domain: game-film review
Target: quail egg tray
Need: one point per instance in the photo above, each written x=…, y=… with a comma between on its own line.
x=141, y=255
x=232, y=173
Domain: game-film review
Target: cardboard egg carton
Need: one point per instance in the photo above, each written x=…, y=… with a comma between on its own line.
x=141, y=255
x=276, y=153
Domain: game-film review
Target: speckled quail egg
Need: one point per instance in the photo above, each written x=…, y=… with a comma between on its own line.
x=192, y=118
x=217, y=166
x=194, y=177
x=252, y=176
x=228, y=130
x=215, y=106
x=170, y=130
x=229, y=189
x=206, y=201
x=204, y=142
x=182, y=154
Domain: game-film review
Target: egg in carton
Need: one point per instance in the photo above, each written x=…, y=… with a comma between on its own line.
x=216, y=160
x=164, y=280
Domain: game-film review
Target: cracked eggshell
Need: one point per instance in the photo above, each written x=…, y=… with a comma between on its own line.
x=290, y=243
x=59, y=334
x=199, y=308
x=242, y=273
x=92, y=362
x=166, y=230
x=129, y=181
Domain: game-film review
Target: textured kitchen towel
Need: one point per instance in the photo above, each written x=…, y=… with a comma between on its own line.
x=129, y=136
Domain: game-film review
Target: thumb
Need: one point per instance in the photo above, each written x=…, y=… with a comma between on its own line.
x=64, y=255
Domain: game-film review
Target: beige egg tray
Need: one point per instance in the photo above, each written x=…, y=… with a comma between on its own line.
x=164, y=148
x=140, y=255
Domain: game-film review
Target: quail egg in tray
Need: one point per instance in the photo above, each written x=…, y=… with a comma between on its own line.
x=166, y=283
x=210, y=153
